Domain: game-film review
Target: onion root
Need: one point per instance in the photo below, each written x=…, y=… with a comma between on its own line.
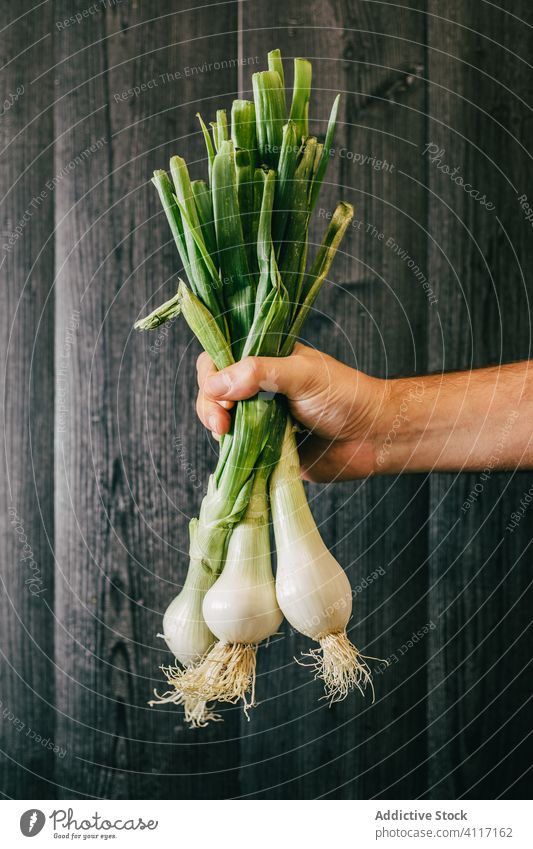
x=196, y=710
x=340, y=666
x=225, y=674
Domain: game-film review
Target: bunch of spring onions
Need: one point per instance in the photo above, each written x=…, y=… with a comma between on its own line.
x=242, y=238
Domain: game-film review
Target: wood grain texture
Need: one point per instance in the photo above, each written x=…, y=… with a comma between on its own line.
x=480, y=102
x=112, y=495
x=121, y=475
x=27, y=391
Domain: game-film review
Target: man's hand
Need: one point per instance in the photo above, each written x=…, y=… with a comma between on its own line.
x=340, y=406
x=360, y=425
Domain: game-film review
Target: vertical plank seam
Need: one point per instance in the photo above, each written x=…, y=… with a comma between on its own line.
x=427, y=347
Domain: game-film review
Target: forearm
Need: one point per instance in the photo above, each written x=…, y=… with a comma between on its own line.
x=458, y=421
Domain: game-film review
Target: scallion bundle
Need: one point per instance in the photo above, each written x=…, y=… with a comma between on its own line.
x=242, y=237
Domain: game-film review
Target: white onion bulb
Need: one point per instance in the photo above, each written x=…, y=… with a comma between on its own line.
x=313, y=591
x=241, y=607
x=184, y=627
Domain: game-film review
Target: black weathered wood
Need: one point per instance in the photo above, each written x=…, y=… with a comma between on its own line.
x=121, y=482
x=27, y=391
x=131, y=460
x=479, y=695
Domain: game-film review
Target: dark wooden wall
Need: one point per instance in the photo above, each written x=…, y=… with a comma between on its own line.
x=99, y=434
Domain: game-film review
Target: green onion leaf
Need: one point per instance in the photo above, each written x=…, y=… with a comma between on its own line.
x=271, y=115
x=166, y=312
x=275, y=64
x=326, y=153
x=245, y=193
x=243, y=136
x=317, y=274
x=267, y=331
x=300, y=96
x=243, y=131
x=204, y=327
x=264, y=238
x=222, y=126
x=258, y=187
x=288, y=160
x=200, y=244
x=208, y=144
x=204, y=208
x=202, y=273
x=294, y=245
x=166, y=194
x=238, y=285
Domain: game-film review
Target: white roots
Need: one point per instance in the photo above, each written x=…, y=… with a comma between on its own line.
x=341, y=667
x=197, y=712
x=225, y=674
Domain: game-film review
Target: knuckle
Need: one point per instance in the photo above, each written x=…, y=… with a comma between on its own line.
x=309, y=373
x=252, y=370
x=303, y=365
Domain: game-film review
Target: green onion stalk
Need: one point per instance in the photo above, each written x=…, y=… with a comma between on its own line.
x=242, y=238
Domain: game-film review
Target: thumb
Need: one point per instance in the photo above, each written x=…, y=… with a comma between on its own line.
x=246, y=378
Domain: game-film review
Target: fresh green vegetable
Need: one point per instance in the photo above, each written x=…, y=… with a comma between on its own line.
x=242, y=238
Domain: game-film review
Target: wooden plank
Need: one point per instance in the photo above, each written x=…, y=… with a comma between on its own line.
x=374, y=317
x=479, y=691
x=26, y=352
x=123, y=489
